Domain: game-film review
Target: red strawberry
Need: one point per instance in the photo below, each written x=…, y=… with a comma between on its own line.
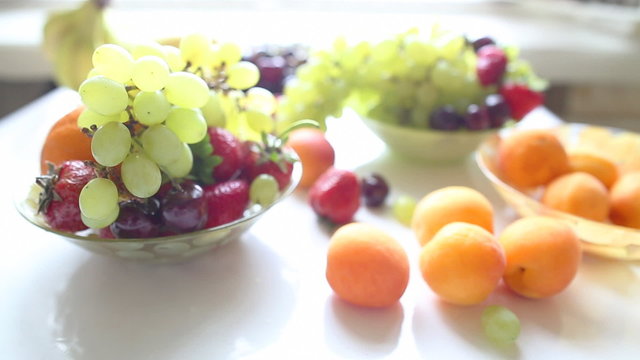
x=226, y=201
x=521, y=99
x=61, y=190
x=336, y=195
x=491, y=64
x=229, y=148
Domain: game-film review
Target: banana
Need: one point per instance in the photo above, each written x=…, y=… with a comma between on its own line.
x=69, y=38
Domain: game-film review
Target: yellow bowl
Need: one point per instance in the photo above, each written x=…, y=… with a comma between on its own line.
x=164, y=249
x=603, y=239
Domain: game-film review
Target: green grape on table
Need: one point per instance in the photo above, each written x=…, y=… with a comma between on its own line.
x=188, y=124
x=161, y=144
x=103, y=95
x=98, y=198
x=500, y=324
x=403, y=207
x=111, y=143
x=140, y=175
x=151, y=108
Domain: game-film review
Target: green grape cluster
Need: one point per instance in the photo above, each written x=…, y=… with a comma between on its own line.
x=400, y=80
x=145, y=106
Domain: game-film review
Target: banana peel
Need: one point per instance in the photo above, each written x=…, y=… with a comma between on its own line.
x=71, y=36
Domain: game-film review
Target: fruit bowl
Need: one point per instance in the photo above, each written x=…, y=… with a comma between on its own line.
x=174, y=248
x=598, y=238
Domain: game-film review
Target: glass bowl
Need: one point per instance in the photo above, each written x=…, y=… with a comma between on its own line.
x=164, y=249
x=428, y=146
x=598, y=238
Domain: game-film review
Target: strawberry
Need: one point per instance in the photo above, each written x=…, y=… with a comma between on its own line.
x=61, y=190
x=491, y=65
x=226, y=201
x=336, y=195
x=269, y=158
x=229, y=149
x=521, y=99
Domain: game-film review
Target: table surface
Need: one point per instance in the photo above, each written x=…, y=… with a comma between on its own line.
x=265, y=295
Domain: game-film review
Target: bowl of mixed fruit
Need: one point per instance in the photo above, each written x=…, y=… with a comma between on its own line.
x=433, y=97
x=174, y=151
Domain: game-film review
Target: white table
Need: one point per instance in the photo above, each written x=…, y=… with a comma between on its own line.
x=265, y=295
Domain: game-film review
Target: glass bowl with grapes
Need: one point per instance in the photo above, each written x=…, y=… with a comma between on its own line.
x=183, y=154
x=430, y=98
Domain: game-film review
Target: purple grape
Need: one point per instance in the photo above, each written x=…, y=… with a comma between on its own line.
x=184, y=209
x=137, y=220
x=445, y=118
x=498, y=110
x=374, y=190
x=477, y=118
x=483, y=41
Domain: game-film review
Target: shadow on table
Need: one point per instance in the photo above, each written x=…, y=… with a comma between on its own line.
x=228, y=303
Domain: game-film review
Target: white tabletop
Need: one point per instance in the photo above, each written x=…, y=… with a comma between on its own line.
x=265, y=295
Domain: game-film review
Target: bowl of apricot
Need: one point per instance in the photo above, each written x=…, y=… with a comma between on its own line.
x=587, y=176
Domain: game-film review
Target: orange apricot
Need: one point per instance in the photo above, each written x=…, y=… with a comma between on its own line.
x=595, y=164
x=463, y=263
x=315, y=152
x=579, y=194
x=366, y=267
x=543, y=255
x=530, y=158
x=625, y=200
x=65, y=141
x=447, y=205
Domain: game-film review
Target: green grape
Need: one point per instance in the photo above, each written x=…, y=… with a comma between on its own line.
x=161, y=144
x=103, y=95
x=212, y=111
x=422, y=53
x=385, y=51
x=188, y=124
x=451, y=47
x=243, y=75
x=98, y=198
x=260, y=99
x=186, y=90
x=151, y=108
x=140, y=175
x=500, y=324
x=101, y=222
x=88, y=118
x=403, y=208
x=111, y=143
x=193, y=49
x=113, y=61
x=182, y=166
x=259, y=121
x=212, y=57
x=150, y=73
x=146, y=49
x=174, y=58
x=263, y=190
x=230, y=53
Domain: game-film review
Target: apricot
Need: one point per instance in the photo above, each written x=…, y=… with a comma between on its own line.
x=447, y=205
x=543, y=255
x=592, y=163
x=579, y=194
x=625, y=200
x=65, y=141
x=463, y=263
x=530, y=158
x=315, y=152
x=366, y=267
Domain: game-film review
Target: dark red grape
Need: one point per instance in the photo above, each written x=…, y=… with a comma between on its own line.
x=445, y=118
x=491, y=65
x=480, y=42
x=498, y=110
x=184, y=208
x=137, y=220
x=374, y=190
x=477, y=118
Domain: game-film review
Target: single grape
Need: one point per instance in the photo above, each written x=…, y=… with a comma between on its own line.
x=103, y=95
x=477, y=118
x=260, y=99
x=374, y=190
x=103, y=222
x=184, y=209
x=174, y=58
x=151, y=108
x=148, y=49
x=264, y=190
x=230, y=53
x=243, y=75
x=111, y=143
x=212, y=111
x=498, y=110
x=186, y=90
x=188, y=124
x=500, y=324
x=88, y=118
x=483, y=41
x=445, y=118
x=140, y=175
x=113, y=61
x=150, y=73
x=403, y=208
x=98, y=198
x=258, y=121
x=182, y=165
x=212, y=57
x=136, y=221
x=161, y=144
x=193, y=48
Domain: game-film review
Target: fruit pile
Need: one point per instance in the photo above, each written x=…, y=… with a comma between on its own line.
x=277, y=64
x=443, y=81
x=180, y=140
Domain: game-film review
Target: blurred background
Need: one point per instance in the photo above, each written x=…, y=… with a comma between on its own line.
x=588, y=50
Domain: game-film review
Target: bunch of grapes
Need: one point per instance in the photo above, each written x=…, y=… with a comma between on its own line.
x=147, y=109
x=440, y=81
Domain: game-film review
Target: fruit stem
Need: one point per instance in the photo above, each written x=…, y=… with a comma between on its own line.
x=297, y=125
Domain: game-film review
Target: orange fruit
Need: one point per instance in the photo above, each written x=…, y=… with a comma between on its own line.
x=579, y=194
x=315, y=152
x=65, y=141
x=595, y=164
x=625, y=200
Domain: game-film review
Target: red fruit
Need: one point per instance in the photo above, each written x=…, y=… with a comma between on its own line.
x=226, y=201
x=61, y=190
x=491, y=65
x=336, y=195
x=521, y=99
x=229, y=148
x=106, y=233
